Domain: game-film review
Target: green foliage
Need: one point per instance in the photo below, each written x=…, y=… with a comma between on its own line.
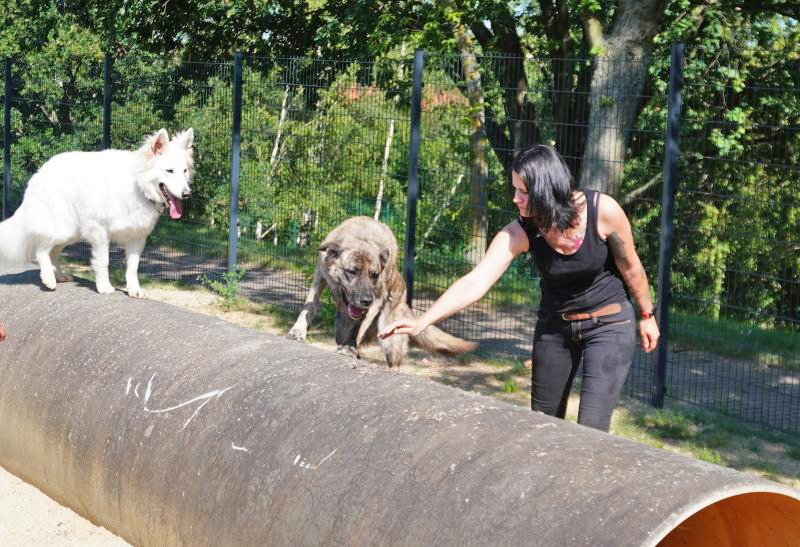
x=228, y=289
x=736, y=201
x=509, y=385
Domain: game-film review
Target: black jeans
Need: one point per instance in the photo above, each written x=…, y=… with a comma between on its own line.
x=606, y=345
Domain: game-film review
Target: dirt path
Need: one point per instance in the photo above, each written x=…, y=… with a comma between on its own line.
x=28, y=518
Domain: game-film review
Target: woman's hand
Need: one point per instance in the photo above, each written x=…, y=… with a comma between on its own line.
x=649, y=333
x=409, y=326
x=2, y=332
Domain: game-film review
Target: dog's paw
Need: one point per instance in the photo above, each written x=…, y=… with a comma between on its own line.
x=64, y=278
x=136, y=292
x=297, y=333
x=105, y=288
x=349, y=351
x=49, y=280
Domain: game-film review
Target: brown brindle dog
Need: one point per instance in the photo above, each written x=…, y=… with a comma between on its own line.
x=358, y=262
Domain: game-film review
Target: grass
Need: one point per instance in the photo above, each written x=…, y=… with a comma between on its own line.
x=713, y=438
x=736, y=338
x=510, y=386
x=228, y=289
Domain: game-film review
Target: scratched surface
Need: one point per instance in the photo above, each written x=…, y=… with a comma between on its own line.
x=172, y=428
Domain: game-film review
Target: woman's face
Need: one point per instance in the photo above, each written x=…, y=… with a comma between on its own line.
x=520, y=193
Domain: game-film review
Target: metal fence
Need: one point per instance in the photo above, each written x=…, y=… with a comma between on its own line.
x=288, y=148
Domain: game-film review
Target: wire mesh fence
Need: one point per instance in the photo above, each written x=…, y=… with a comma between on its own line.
x=736, y=271
x=323, y=140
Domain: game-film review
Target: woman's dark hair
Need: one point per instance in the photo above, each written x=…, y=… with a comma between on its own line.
x=550, y=187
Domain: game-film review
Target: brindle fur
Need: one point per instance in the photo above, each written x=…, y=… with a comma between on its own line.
x=358, y=262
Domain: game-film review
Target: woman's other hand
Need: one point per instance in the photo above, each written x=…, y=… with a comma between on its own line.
x=2, y=332
x=649, y=333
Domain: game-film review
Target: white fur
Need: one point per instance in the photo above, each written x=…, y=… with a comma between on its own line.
x=98, y=197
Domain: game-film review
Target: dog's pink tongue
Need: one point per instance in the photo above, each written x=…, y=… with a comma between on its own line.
x=175, y=207
x=355, y=311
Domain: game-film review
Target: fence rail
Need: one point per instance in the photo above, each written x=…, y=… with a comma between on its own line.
x=288, y=148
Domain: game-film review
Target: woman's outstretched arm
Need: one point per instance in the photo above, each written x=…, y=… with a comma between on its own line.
x=506, y=245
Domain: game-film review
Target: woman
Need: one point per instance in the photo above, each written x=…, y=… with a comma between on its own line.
x=582, y=245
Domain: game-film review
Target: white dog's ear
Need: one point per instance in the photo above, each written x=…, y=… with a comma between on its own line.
x=185, y=138
x=159, y=141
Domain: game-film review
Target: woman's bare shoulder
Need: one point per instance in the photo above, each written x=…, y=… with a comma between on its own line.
x=609, y=214
x=518, y=238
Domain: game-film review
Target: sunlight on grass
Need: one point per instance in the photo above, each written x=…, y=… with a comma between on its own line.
x=772, y=346
x=712, y=438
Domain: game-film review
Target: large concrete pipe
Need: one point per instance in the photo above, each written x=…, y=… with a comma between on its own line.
x=172, y=428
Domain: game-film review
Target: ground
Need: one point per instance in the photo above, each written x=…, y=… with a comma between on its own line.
x=28, y=518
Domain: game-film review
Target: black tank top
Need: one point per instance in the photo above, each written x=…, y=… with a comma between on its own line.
x=583, y=281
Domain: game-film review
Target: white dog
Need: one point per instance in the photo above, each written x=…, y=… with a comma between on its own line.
x=113, y=195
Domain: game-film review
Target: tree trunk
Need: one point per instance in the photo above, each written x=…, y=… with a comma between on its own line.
x=515, y=129
x=478, y=146
x=620, y=72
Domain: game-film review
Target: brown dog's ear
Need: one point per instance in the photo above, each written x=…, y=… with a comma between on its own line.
x=384, y=257
x=331, y=249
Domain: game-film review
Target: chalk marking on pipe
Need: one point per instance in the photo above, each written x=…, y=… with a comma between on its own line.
x=243, y=449
x=215, y=393
x=305, y=465
x=326, y=457
x=128, y=387
x=147, y=393
x=136, y=391
x=207, y=396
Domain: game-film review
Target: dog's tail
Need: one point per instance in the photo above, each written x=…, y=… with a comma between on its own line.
x=14, y=245
x=435, y=340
